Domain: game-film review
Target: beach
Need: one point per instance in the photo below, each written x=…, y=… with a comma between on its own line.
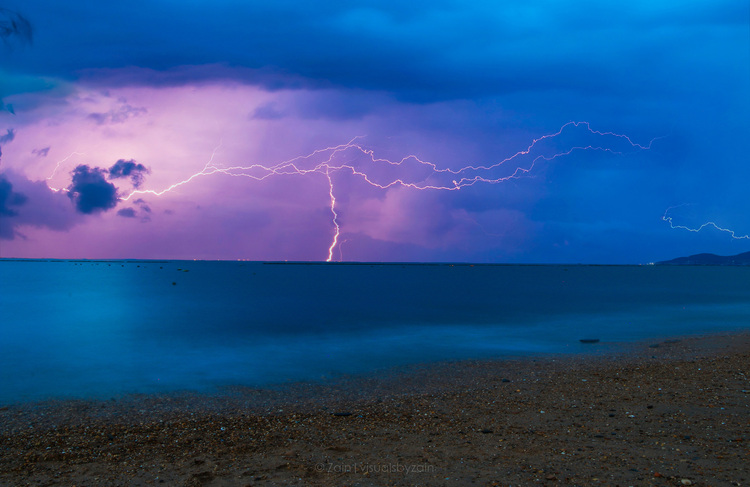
x=672, y=412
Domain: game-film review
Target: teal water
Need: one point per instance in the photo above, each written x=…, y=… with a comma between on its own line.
x=95, y=329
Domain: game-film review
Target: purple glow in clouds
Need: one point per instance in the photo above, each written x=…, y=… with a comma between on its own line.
x=417, y=131
x=174, y=129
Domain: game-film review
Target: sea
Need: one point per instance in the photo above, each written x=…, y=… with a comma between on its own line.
x=97, y=329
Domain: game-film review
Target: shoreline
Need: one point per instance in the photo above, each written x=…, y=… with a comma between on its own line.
x=648, y=414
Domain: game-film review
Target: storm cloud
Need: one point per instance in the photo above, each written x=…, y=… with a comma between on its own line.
x=418, y=50
x=119, y=115
x=457, y=84
x=90, y=191
x=9, y=203
x=9, y=198
x=8, y=137
x=32, y=203
x=41, y=152
x=126, y=212
x=7, y=107
x=129, y=169
x=14, y=28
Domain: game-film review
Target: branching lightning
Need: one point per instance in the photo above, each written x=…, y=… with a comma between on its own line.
x=361, y=162
x=731, y=232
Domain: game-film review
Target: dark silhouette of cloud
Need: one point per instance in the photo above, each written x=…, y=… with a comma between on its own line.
x=6, y=107
x=41, y=152
x=126, y=212
x=143, y=205
x=129, y=169
x=117, y=116
x=89, y=190
x=8, y=137
x=9, y=198
x=267, y=111
x=32, y=203
x=9, y=201
x=142, y=210
x=420, y=50
x=14, y=27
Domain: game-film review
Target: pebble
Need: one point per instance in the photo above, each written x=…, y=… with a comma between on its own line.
x=423, y=425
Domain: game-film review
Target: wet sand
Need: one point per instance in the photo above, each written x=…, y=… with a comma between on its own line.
x=662, y=413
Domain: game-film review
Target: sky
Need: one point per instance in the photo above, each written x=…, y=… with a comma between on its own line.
x=511, y=132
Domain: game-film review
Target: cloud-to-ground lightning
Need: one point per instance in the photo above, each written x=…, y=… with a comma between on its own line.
x=361, y=162
x=335, y=217
x=731, y=232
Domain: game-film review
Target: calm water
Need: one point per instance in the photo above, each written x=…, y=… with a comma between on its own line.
x=101, y=329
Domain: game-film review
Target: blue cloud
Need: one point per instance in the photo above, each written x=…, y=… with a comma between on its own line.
x=126, y=212
x=32, y=203
x=89, y=190
x=14, y=27
x=419, y=51
x=129, y=169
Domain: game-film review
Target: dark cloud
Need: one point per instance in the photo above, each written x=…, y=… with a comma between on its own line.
x=267, y=111
x=126, y=212
x=32, y=203
x=143, y=211
x=6, y=138
x=41, y=152
x=7, y=107
x=90, y=191
x=14, y=28
x=9, y=198
x=119, y=115
x=129, y=169
x=9, y=203
x=421, y=50
x=143, y=205
x=9, y=136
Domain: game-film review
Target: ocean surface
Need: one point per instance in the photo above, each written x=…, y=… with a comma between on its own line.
x=101, y=329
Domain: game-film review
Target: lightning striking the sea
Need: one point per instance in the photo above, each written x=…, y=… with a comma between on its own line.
x=360, y=162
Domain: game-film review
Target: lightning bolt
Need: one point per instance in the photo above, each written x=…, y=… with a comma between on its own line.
x=670, y=220
x=361, y=162
x=335, y=216
x=57, y=166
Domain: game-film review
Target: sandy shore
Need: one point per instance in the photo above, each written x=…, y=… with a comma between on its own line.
x=667, y=413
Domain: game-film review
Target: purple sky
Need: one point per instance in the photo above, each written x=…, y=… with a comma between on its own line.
x=106, y=106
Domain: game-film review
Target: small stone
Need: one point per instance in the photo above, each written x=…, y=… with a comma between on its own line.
x=686, y=482
x=550, y=477
x=486, y=431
